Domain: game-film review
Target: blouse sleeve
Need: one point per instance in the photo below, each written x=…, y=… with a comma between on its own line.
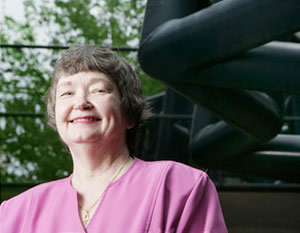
x=202, y=212
x=13, y=214
x=1, y=213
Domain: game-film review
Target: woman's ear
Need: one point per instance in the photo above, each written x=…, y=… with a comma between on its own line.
x=130, y=124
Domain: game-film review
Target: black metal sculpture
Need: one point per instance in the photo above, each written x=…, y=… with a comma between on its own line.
x=216, y=55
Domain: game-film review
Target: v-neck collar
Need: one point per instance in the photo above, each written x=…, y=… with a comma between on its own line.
x=75, y=197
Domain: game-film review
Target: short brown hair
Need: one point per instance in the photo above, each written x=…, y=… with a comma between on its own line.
x=91, y=58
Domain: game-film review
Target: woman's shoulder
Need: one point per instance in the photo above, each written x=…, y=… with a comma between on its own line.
x=16, y=212
x=25, y=197
x=171, y=166
x=174, y=172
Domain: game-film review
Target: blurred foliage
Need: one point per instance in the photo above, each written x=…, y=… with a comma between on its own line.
x=30, y=151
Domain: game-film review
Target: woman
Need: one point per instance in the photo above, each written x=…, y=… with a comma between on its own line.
x=96, y=104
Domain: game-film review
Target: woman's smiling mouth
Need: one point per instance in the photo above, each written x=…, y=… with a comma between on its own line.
x=85, y=119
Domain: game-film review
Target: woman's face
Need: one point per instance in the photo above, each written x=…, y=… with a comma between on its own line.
x=88, y=109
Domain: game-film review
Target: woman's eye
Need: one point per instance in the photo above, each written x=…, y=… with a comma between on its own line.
x=99, y=91
x=67, y=93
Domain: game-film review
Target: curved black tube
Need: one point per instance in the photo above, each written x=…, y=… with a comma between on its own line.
x=211, y=54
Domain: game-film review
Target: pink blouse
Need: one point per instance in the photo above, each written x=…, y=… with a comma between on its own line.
x=152, y=197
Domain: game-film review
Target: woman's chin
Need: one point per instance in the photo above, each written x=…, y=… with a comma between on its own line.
x=84, y=139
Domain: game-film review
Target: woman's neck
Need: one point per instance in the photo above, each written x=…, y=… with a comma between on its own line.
x=92, y=162
x=95, y=168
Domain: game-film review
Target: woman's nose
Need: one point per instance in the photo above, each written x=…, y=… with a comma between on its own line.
x=83, y=106
x=82, y=103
